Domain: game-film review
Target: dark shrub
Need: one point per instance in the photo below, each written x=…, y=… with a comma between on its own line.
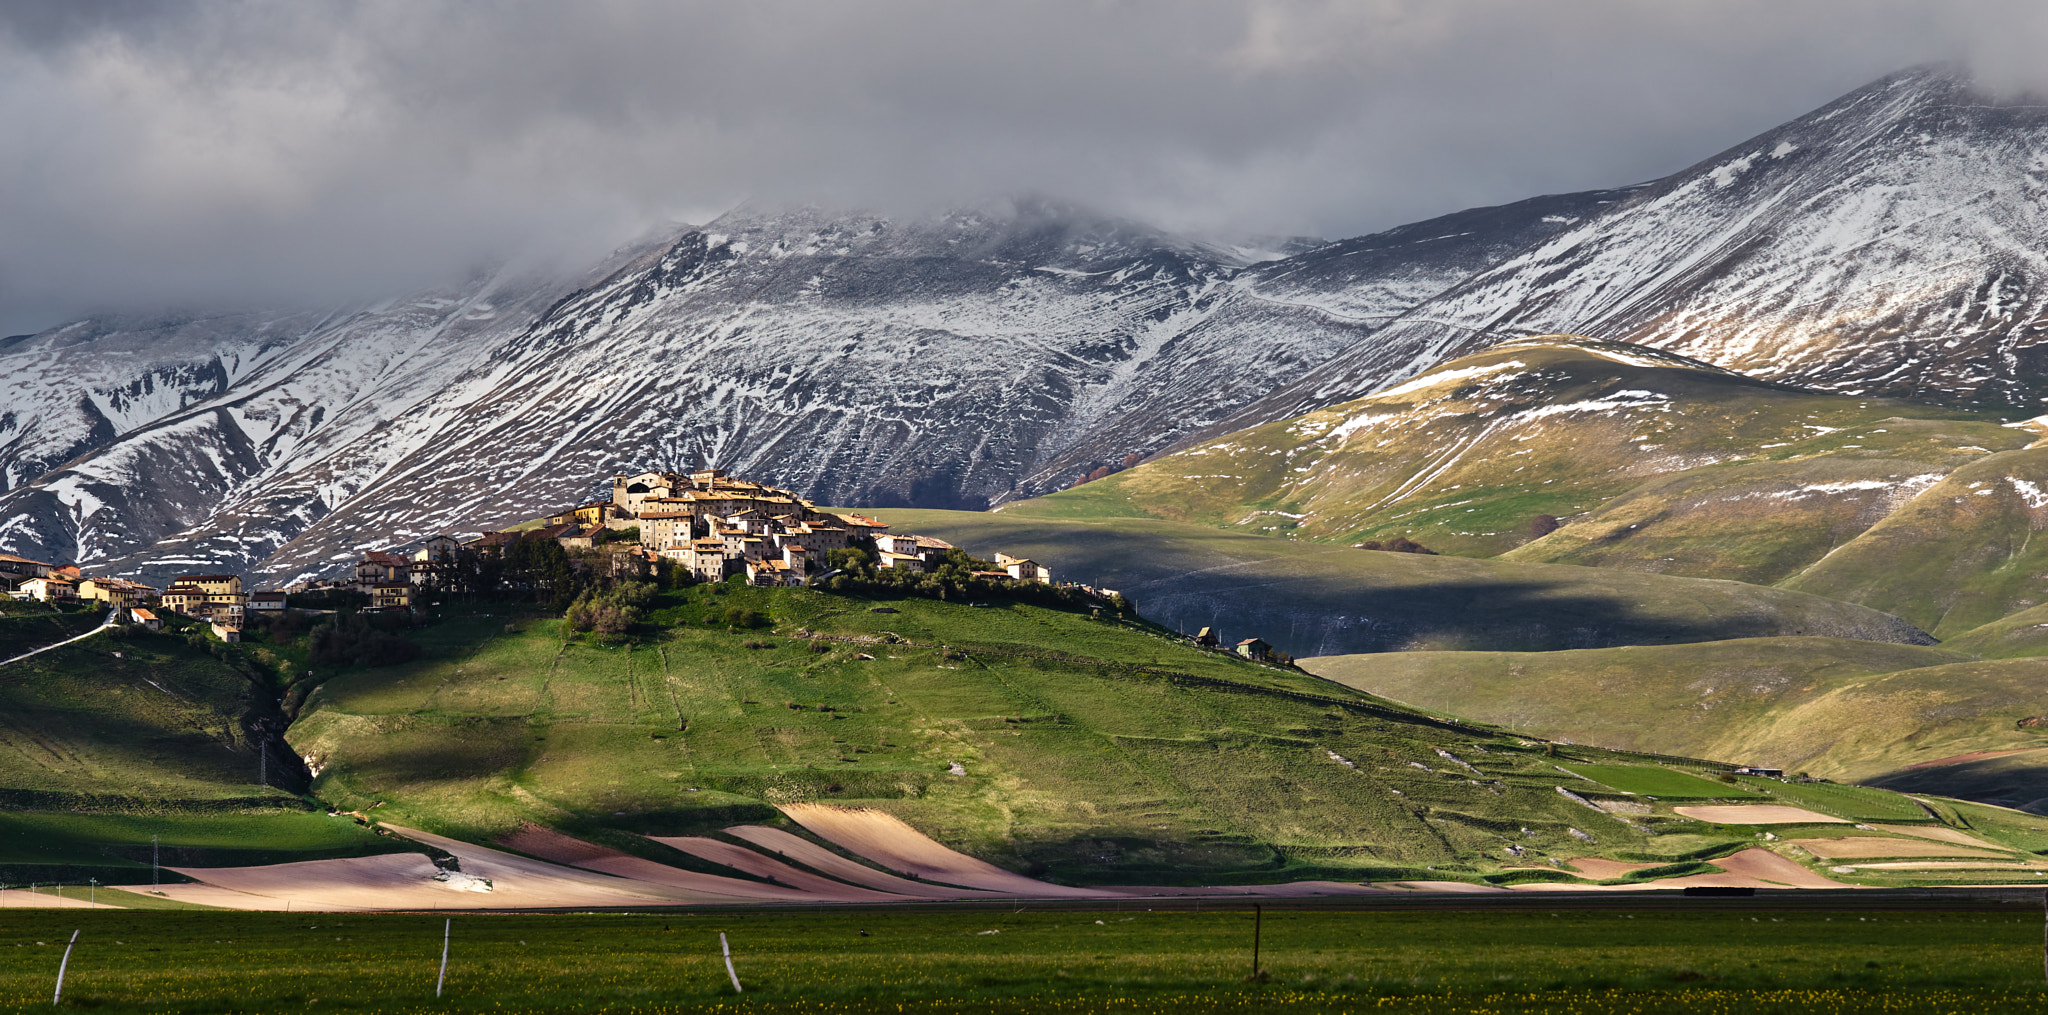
x=1542, y=525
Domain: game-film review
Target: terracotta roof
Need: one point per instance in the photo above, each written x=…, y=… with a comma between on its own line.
x=141, y=614
x=23, y=560
x=930, y=543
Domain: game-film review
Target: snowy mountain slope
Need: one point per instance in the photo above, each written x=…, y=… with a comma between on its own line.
x=954, y=361
x=1890, y=243
x=1894, y=242
x=301, y=429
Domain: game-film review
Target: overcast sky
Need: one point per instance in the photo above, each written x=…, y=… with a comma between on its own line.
x=218, y=153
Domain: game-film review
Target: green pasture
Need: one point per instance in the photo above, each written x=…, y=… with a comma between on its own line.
x=1856, y=803
x=29, y=839
x=1089, y=748
x=1846, y=710
x=1644, y=780
x=1534, y=956
x=25, y=627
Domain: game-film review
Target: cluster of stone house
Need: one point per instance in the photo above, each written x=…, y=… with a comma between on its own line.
x=714, y=525
x=215, y=598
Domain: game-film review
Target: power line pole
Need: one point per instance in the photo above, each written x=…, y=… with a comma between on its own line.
x=155, y=871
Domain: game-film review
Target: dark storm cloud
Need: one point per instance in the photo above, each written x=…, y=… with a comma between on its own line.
x=288, y=151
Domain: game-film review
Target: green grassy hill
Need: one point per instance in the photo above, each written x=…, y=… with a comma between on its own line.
x=129, y=735
x=1062, y=745
x=1850, y=711
x=1652, y=461
x=1956, y=557
x=1316, y=599
x=1086, y=749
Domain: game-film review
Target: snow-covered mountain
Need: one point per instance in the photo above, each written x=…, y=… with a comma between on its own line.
x=953, y=361
x=1893, y=242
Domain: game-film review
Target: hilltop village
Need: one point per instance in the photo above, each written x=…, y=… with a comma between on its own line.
x=709, y=526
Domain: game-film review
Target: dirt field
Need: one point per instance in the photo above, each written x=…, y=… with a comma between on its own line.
x=1598, y=869
x=1939, y=833
x=1751, y=868
x=885, y=839
x=818, y=858
x=708, y=888
x=740, y=858
x=1856, y=847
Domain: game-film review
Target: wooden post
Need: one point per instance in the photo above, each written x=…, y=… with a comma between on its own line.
x=727, y=949
x=1258, y=926
x=443, y=978
x=58, y=997
x=2044, y=937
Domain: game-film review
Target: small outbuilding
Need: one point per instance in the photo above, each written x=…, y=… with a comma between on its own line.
x=1255, y=649
x=1208, y=638
x=146, y=618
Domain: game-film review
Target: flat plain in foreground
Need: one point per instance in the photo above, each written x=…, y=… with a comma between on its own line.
x=1641, y=955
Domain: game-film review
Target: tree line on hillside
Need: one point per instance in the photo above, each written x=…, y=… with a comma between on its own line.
x=954, y=580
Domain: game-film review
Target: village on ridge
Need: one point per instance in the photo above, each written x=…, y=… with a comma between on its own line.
x=713, y=525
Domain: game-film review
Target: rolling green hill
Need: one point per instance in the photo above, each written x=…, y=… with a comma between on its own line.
x=129, y=735
x=1067, y=745
x=1956, y=557
x=1850, y=711
x=1085, y=749
x=1653, y=462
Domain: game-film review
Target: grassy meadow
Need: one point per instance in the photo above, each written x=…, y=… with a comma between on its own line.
x=1845, y=710
x=1541, y=955
x=1059, y=744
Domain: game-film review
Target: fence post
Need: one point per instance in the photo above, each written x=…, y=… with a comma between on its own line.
x=58, y=997
x=443, y=978
x=727, y=949
x=1258, y=927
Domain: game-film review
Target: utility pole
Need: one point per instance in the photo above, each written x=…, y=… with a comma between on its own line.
x=155, y=871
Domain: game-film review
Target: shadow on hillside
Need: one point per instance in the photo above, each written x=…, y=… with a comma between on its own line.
x=2016, y=780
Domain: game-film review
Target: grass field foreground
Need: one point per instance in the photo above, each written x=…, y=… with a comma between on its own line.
x=1699, y=956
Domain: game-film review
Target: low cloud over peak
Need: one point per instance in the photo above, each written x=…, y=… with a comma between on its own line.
x=292, y=152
